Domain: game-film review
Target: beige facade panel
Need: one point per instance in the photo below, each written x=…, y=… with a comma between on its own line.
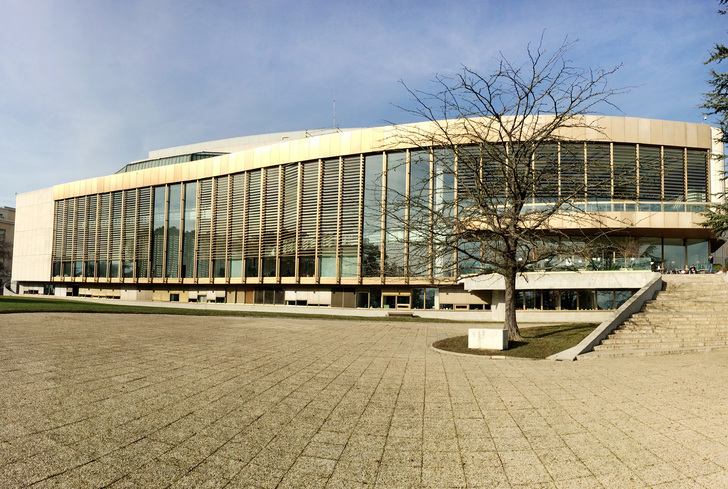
x=632, y=220
x=34, y=234
x=617, y=129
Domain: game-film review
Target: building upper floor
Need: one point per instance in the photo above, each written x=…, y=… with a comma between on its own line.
x=322, y=208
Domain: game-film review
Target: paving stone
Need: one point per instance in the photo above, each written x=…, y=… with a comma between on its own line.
x=158, y=401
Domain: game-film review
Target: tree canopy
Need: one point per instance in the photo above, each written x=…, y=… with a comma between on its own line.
x=715, y=103
x=507, y=172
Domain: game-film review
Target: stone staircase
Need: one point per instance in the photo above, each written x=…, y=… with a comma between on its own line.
x=690, y=314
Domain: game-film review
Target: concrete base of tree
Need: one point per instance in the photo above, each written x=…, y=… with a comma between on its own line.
x=488, y=339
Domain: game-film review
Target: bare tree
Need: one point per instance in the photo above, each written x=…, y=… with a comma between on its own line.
x=508, y=178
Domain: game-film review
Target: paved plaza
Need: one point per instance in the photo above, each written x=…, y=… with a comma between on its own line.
x=172, y=401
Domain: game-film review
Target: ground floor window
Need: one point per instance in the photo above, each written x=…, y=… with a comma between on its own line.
x=571, y=300
x=424, y=298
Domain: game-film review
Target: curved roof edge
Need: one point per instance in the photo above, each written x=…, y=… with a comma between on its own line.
x=233, y=145
x=279, y=150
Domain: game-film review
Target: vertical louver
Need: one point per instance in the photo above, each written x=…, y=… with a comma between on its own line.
x=220, y=220
x=269, y=237
x=674, y=174
x=204, y=228
x=649, y=173
x=697, y=175
x=237, y=224
x=252, y=221
x=143, y=231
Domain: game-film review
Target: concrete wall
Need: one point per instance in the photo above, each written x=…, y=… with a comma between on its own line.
x=562, y=280
x=33, y=236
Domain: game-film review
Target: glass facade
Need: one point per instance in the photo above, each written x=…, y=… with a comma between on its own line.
x=347, y=218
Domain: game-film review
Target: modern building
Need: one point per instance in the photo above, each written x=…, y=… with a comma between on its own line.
x=7, y=233
x=300, y=219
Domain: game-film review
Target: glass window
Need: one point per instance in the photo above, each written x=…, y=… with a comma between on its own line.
x=236, y=268
x=572, y=172
x=569, y=300
x=418, y=257
x=698, y=251
x=174, y=215
x=306, y=266
x=327, y=266
x=546, y=177
x=375, y=299
x=430, y=298
x=372, y=216
x=443, y=198
x=418, y=298
x=599, y=173
x=587, y=300
x=697, y=173
x=329, y=210
x=347, y=266
x=649, y=172
x=269, y=266
x=625, y=171
x=288, y=266
x=651, y=249
x=307, y=218
x=550, y=300
x=674, y=174
x=127, y=268
x=605, y=300
x=158, y=232
x=251, y=267
x=101, y=269
x=620, y=297
x=218, y=267
x=362, y=299
x=188, y=230
x=289, y=220
x=204, y=227
x=674, y=254
x=395, y=215
x=532, y=299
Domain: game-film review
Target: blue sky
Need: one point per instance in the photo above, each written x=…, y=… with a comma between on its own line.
x=88, y=86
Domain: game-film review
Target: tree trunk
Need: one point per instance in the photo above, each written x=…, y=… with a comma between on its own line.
x=514, y=334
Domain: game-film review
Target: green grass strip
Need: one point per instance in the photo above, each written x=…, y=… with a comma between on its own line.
x=539, y=341
x=26, y=304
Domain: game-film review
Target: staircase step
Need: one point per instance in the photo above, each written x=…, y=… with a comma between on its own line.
x=691, y=314
x=593, y=355
x=658, y=343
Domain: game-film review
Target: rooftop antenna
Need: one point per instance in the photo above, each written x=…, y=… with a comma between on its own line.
x=333, y=97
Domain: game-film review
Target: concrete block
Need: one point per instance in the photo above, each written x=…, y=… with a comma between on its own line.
x=488, y=338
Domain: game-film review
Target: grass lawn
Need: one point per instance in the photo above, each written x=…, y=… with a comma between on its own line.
x=539, y=342
x=26, y=304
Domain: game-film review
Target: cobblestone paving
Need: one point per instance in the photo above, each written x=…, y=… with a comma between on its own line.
x=168, y=401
